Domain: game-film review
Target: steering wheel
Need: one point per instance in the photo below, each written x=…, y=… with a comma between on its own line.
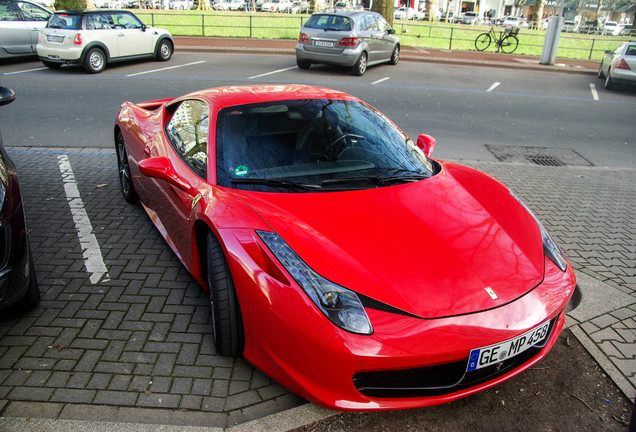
x=333, y=152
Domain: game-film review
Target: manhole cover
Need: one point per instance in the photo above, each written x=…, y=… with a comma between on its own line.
x=546, y=156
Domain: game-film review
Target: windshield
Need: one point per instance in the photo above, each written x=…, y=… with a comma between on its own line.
x=313, y=145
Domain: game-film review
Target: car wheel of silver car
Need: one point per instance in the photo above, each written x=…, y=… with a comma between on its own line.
x=395, y=57
x=125, y=179
x=609, y=83
x=600, y=70
x=303, y=64
x=361, y=65
x=227, y=323
x=95, y=61
x=164, y=50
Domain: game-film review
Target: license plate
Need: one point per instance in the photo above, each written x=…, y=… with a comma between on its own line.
x=326, y=44
x=493, y=354
x=55, y=38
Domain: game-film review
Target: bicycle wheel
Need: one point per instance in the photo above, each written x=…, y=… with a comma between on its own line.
x=482, y=42
x=509, y=44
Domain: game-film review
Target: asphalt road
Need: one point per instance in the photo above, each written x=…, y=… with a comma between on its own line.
x=463, y=107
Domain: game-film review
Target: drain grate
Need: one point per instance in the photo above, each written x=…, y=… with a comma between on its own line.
x=544, y=156
x=545, y=161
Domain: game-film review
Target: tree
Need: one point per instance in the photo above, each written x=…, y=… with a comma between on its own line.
x=384, y=8
x=74, y=4
x=431, y=10
x=537, y=15
x=204, y=5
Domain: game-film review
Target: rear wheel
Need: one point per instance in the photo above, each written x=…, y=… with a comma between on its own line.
x=482, y=42
x=32, y=297
x=227, y=323
x=95, y=61
x=303, y=64
x=361, y=65
x=609, y=82
x=395, y=56
x=509, y=44
x=125, y=179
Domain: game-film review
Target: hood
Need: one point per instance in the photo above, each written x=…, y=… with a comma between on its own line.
x=431, y=248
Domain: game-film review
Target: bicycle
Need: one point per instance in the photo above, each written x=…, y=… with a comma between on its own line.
x=506, y=41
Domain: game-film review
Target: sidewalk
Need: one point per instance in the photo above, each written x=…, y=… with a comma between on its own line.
x=475, y=58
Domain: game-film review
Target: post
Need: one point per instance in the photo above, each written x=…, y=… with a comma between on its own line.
x=551, y=42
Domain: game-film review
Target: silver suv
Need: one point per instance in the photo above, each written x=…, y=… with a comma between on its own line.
x=354, y=39
x=93, y=38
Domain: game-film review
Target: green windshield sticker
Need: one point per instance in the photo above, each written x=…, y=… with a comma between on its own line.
x=240, y=171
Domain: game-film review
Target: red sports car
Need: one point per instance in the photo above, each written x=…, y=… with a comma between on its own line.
x=340, y=258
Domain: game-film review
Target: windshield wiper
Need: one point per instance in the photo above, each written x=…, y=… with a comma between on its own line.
x=276, y=182
x=380, y=180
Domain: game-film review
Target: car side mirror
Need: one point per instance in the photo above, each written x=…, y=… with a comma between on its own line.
x=6, y=95
x=609, y=52
x=426, y=143
x=144, y=27
x=161, y=168
x=391, y=31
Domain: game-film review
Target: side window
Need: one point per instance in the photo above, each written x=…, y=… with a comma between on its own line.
x=126, y=20
x=187, y=131
x=383, y=26
x=99, y=22
x=8, y=12
x=33, y=12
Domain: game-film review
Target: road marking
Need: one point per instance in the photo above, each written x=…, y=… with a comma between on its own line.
x=272, y=72
x=594, y=92
x=492, y=87
x=91, y=251
x=380, y=80
x=166, y=68
x=25, y=71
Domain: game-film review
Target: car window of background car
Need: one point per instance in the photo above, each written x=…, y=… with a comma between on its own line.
x=65, y=21
x=187, y=131
x=8, y=12
x=32, y=12
x=126, y=20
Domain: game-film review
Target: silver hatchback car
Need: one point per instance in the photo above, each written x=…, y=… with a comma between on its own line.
x=355, y=39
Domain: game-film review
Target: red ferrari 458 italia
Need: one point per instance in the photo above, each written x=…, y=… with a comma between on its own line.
x=341, y=259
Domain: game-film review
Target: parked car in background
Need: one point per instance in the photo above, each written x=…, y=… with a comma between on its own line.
x=20, y=22
x=471, y=18
x=589, y=27
x=611, y=28
x=93, y=38
x=277, y=6
x=340, y=258
x=181, y=4
x=569, y=26
x=619, y=66
x=404, y=13
x=626, y=29
x=229, y=5
x=510, y=21
x=299, y=7
x=355, y=39
x=18, y=283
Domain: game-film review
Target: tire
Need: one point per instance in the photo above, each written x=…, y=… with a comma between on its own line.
x=123, y=168
x=95, y=61
x=361, y=65
x=482, y=42
x=509, y=44
x=303, y=64
x=609, y=83
x=600, y=73
x=227, y=323
x=32, y=297
x=395, y=56
x=51, y=65
x=164, y=50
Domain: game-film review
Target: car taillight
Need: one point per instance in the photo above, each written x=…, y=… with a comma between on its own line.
x=78, y=39
x=303, y=38
x=348, y=41
x=623, y=65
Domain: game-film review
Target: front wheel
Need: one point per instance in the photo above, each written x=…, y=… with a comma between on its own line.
x=509, y=44
x=95, y=61
x=395, y=56
x=609, y=82
x=164, y=50
x=361, y=65
x=600, y=73
x=482, y=42
x=227, y=322
x=125, y=179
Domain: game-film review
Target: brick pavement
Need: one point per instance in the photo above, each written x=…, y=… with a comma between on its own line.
x=137, y=347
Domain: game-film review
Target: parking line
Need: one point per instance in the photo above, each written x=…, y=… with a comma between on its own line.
x=91, y=251
x=380, y=80
x=166, y=68
x=272, y=72
x=492, y=87
x=25, y=71
x=594, y=92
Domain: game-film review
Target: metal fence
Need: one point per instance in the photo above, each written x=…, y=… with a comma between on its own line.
x=412, y=33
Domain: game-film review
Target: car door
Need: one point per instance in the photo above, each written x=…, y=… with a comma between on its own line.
x=19, y=31
x=132, y=37
x=35, y=19
x=184, y=141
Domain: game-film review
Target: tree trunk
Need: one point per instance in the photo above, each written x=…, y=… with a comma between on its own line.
x=431, y=10
x=384, y=8
x=204, y=5
x=537, y=15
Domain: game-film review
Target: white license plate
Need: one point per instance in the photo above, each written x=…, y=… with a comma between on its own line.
x=493, y=354
x=325, y=44
x=55, y=38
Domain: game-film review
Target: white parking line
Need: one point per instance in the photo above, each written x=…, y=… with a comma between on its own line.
x=91, y=252
x=272, y=72
x=380, y=80
x=166, y=68
x=494, y=86
x=25, y=71
x=594, y=92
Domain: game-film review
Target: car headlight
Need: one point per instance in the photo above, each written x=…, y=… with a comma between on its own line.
x=340, y=305
x=550, y=248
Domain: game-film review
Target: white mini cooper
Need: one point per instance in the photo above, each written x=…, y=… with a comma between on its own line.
x=93, y=38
